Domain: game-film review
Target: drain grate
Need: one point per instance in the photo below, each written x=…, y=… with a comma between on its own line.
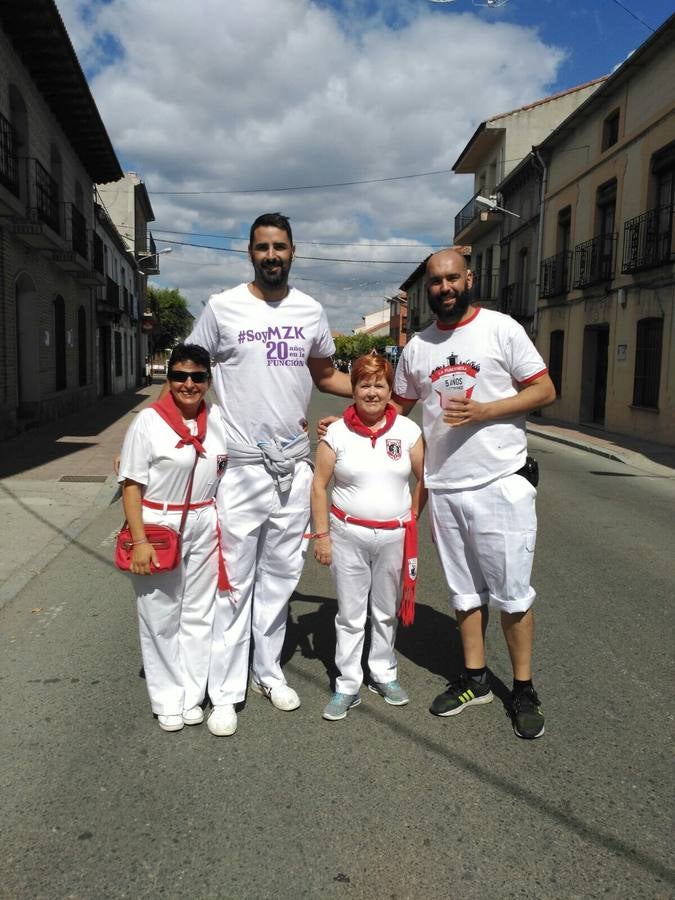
x=89, y=479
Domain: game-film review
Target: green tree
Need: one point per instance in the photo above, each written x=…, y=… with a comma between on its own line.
x=174, y=321
x=349, y=346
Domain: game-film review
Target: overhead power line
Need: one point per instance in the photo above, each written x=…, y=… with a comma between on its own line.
x=635, y=16
x=336, y=184
x=231, y=237
x=311, y=187
x=381, y=262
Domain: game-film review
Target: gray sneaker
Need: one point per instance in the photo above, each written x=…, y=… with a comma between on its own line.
x=339, y=706
x=392, y=692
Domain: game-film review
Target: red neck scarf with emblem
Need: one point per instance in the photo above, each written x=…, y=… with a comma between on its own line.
x=354, y=423
x=169, y=411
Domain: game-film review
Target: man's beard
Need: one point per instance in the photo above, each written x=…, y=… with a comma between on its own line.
x=272, y=279
x=450, y=316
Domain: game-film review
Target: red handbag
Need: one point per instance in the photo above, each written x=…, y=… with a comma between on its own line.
x=166, y=540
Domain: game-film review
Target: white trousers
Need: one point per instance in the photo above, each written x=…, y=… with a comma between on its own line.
x=366, y=561
x=485, y=538
x=175, y=614
x=264, y=551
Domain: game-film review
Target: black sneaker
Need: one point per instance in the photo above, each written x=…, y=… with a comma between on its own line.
x=527, y=714
x=458, y=695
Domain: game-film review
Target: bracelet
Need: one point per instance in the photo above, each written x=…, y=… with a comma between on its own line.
x=315, y=535
x=136, y=543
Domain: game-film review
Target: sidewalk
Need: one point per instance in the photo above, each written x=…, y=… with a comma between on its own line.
x=55, y=480
x=655, y=459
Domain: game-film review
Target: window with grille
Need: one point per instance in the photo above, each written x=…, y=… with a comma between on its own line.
x=648, y=346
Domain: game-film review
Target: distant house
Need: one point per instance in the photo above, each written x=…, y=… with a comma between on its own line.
x=398, y=319
x=126, y=206
x=375, y=323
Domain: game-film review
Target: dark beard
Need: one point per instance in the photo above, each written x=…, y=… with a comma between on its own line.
x=462, y=302
x=269, y=279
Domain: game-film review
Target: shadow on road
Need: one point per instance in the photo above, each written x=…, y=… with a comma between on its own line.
x=432, y=642
x=313, y=633
x=42, y=445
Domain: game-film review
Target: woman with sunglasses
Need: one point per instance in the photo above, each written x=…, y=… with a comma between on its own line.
x=176, y=440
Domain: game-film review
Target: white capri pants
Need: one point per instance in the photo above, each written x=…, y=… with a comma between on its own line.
x=175, y=614
x=366, y=561
x=264, y=550
x=485, y=537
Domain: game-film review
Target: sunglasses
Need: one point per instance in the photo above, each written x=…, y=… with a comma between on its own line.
x=197, y=377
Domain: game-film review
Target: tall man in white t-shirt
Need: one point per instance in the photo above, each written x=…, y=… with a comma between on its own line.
x=478, y=375
x=269, y=342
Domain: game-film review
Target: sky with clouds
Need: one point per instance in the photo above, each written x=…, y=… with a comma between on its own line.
x=214, y=103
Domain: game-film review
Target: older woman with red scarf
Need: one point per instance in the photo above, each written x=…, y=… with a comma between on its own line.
x=368, y=534
x=172, y=459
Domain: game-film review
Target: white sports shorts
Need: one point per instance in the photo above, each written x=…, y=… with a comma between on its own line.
x=485, y=538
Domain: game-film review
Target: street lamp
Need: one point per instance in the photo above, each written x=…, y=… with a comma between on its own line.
x=491, y=203
x=153, y=255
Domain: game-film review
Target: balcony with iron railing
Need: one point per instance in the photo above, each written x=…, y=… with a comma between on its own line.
x=594, y=261
x=78, y=231
x=44, y=194
x=9, y=163
x=474, y=219
x=148, y=260
x=486, y=285
x=73, y=257
x=112, y=295
x=647, y=240
x=555, y=274
x=92, y=271
x=514, y=300
x=40, y=222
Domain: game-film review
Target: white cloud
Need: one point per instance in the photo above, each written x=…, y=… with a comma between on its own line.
x=214, y=96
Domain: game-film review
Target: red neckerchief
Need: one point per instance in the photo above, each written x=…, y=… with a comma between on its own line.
x=167, y=409
x=354, y=423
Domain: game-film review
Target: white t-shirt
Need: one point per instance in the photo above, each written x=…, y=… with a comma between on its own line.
x=372, y=482
x=260, y=350
x=484, y=358
x=150, y=457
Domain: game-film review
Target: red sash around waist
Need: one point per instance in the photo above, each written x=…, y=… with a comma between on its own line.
x=388, y=524
x=223, y=579
x=172, y=507
x=407, y=609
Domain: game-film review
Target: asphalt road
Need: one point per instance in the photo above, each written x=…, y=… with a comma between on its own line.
x=390, y=803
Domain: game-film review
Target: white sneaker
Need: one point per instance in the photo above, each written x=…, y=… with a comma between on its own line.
x=170, y=723
x=281, y=696
x=193, y=716
x=223, y=720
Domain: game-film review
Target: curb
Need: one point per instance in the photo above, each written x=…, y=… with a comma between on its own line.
x=624, y=456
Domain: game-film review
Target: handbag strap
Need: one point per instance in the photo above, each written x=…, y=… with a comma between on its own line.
x=188, y=495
